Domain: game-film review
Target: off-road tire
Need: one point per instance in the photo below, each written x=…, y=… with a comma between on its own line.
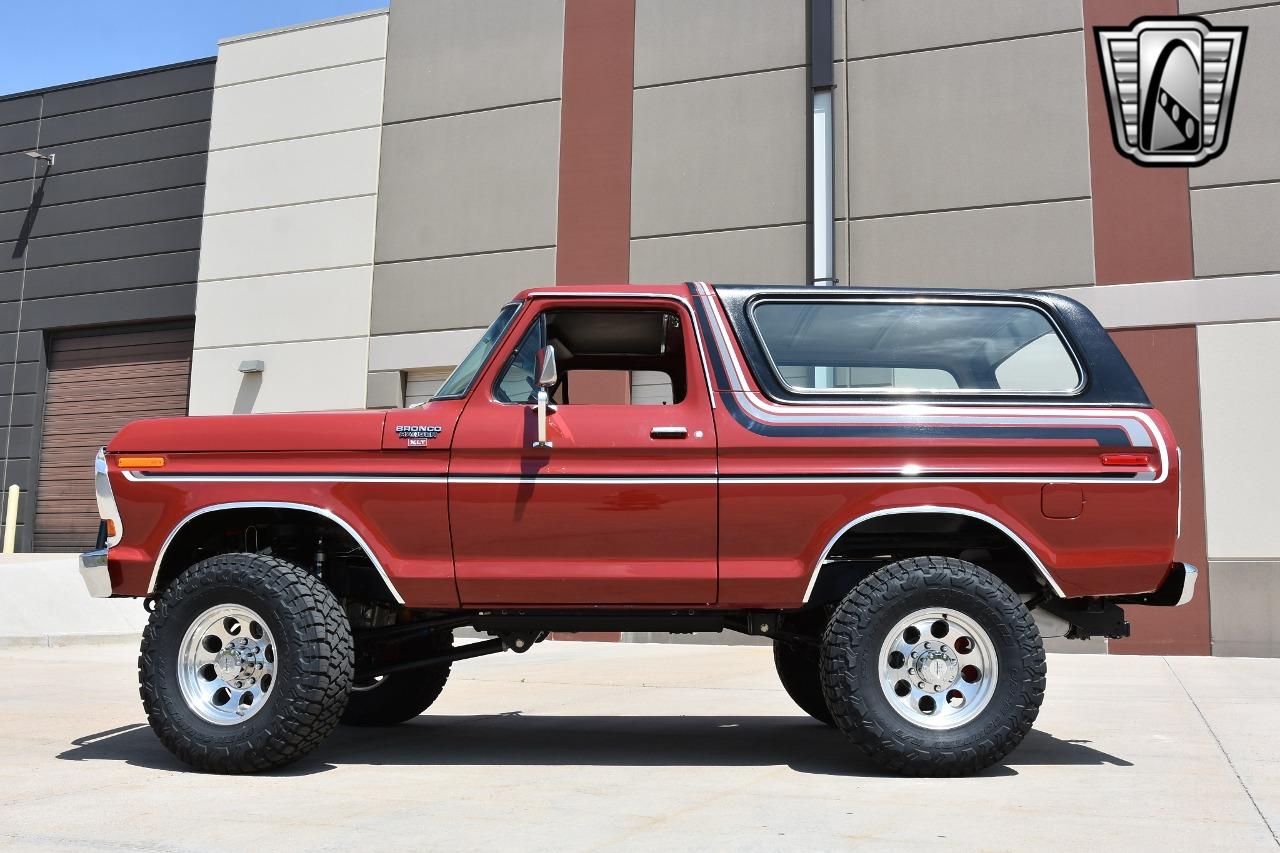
x=850, y=667
x=313, y=657
x=402, y=696
x=800, y=671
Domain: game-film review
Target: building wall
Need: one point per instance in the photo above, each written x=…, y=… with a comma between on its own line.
x=468, y=177
x=533, y=142
x=286, y=269
x=109, y=234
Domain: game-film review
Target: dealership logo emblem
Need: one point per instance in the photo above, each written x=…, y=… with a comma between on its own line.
x=1170, y=83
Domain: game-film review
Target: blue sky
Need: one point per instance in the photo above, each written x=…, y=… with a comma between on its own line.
x=49, y=42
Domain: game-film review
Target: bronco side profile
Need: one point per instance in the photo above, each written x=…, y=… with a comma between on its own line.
x=905, y=490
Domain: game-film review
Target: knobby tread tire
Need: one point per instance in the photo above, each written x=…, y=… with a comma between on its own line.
x=402, y=696
x=314, y=664
x=800, y=671
x=851, y=647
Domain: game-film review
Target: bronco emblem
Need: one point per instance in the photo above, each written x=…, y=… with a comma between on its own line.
x=417, y=432
x=1170, y=86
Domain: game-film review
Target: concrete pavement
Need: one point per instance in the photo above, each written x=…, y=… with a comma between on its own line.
x=592, y=746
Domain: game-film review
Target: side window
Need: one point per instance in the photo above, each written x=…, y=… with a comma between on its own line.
x=604, y=357
x=882, y=347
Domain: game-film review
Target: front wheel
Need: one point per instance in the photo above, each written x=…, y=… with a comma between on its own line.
x=246, y=664
x=932, y=666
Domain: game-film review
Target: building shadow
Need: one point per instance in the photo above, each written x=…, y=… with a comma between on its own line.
x=514, y=739
x=247, y=395
x=29, y=221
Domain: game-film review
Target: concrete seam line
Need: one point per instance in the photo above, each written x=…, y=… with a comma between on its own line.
x=1223, y=750
x=59, y=640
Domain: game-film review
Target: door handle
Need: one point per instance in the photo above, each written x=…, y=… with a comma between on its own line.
x=668, y=432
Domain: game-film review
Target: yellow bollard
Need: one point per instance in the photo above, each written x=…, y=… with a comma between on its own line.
x=11, y=520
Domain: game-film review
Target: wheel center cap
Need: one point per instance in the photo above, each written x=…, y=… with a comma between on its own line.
x=937, y=669
x=228, y=664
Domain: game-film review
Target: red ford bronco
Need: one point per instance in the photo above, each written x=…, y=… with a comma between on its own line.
x=905, y=490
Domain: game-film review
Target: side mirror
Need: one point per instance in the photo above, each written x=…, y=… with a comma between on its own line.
x=545, y=374
x=546, y=367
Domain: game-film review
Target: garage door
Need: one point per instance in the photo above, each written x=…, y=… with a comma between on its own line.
x=421, y=384
x=100, y=380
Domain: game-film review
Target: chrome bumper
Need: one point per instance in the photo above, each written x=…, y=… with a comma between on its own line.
x=93, y=568
x=1189, y=575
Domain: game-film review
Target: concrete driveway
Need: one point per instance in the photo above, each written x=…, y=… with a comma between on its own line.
x=586, y=746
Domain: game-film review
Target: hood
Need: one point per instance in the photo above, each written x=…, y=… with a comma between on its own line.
x=298, y=431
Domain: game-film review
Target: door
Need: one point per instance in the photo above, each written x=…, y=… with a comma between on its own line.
x=100, y=380
x=621, y=509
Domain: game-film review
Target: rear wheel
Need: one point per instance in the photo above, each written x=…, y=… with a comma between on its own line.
x=932, y=666
x=245, y=665
x=799, y=670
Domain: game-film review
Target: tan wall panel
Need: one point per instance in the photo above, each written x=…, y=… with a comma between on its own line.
x=298, y=377
x=1242, y=460
x=292, y=307
x=298, y=105
x=423, y=349
x=288, y=239
x=891, y=26
x=292, y=171
x=1234, y=229
x=324, y=43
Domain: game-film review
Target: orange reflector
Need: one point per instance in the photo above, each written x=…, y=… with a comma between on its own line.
x=141, y=462
x=111, y=528
x=1125, y=459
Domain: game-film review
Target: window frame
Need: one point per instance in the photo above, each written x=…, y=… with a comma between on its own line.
x=488, y=359
x=538, y=320
x=904, y=394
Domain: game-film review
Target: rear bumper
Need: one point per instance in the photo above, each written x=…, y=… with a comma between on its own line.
x=93, y=569
x=1178, y=587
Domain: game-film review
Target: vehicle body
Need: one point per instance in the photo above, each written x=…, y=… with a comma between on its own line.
x=809, y=440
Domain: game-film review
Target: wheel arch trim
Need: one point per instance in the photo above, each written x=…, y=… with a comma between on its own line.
x=314, y=510
x=926, y=509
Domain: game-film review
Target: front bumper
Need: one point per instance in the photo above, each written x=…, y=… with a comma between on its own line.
x=93, y=569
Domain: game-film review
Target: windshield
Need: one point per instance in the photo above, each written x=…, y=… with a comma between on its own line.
x=459, y=382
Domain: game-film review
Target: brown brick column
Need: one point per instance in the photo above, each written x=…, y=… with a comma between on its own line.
x=593, y=229
x=1141, y=214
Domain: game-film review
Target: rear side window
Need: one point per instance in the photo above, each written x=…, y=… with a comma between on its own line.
x=914, y=347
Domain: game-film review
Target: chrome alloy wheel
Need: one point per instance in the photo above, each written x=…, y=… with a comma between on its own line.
x=226, y=664
x=938, y=669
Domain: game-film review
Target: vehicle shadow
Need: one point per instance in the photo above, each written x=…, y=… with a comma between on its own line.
x=638, y=741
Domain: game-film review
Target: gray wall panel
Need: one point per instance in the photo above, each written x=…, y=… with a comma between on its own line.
x=755, y=255
x=1253, y=153
x=679, y=40
x=1234, y=229
x=17, y=137
x=891, y=26
x=719, y=154
x=109, y=235
x=125, y=274
x=968, y=127
x=19, y=109
x=117, y=150
x=126, y=118
x=142, y=86
x=104, y=245
x=452, y=56
x=454, y=293
x=100, y=183
x=1030, y=245
x=106, y=213
x=473, y=183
